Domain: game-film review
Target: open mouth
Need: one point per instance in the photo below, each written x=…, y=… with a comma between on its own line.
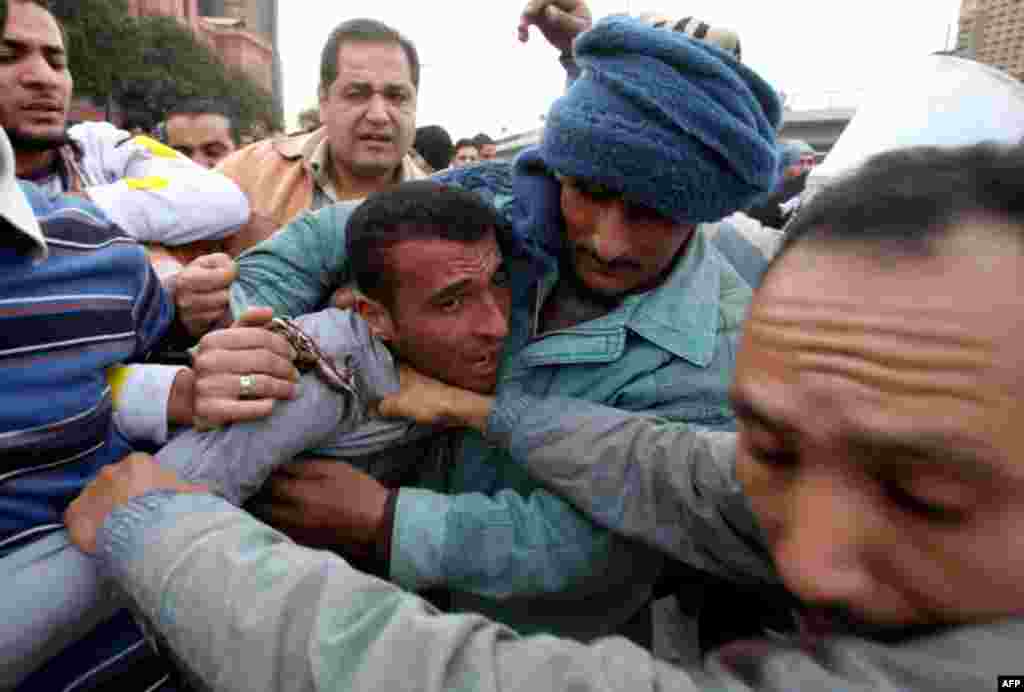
x=377, y=139
x=43, y=111
x=486, y=363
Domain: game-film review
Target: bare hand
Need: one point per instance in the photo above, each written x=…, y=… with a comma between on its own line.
x=201, y=292
x=246, y=349
x=324, y=503
x=419, y=398
x=431, y=402
x=115, y=485
x=344, y=299
x=560, y=21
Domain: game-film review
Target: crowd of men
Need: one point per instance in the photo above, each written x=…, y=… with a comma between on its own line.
x=589, y=419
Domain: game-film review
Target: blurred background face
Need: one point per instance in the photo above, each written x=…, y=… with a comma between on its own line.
x=617, y=247
x=488, y=151
x=35, y=84
x=465, y=156
x=881, y=432
x=203, y=137
x=370, y=109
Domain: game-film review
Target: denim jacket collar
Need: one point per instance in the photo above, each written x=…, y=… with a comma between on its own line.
x=681, y=316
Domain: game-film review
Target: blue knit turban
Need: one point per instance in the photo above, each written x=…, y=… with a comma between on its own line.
x=674, y=124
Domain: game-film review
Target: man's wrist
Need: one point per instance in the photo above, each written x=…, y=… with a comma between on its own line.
x=468, y=409
x=181, y=401
x=385, y=529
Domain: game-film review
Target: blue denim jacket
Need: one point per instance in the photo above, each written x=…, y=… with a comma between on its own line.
x=525, y=556
x=504, y=545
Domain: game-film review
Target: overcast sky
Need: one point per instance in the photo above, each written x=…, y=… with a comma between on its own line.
x=478, y=77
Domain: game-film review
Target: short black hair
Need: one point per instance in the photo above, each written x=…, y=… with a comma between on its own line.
x=411, y=210
x=196, y=106
x=141, y=120
x=365, y=31
x=482, y=139
x=907, y=201
x=466, y=142
x=434, y=144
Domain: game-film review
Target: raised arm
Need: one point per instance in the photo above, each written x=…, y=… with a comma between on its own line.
x=296, y=270
x=155, y=194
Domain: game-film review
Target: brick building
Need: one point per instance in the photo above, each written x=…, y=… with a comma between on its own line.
x=992, y=32
x=242, y=32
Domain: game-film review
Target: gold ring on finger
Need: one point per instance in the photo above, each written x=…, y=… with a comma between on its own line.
x=247, y=386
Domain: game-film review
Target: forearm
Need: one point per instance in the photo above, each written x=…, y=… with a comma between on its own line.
x=652, y=480
x=246, y=609
x=295, y=270
x=148, y=398
x=54, y=594
x=181, y=403
x=508, y=546
x=171, y=201
x=235, y=460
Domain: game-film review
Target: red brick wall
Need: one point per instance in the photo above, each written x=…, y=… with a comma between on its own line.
x=243, y=50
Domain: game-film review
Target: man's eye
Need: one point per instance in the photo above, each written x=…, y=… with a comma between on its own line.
x=921, y=508
x=450, y=304
x=777, y=458
x=641, y=213
x=356, y=95
x=590, y=189
x=398, y=97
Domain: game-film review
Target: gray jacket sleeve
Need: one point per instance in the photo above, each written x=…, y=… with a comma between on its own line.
x=235, y=460
x=656, y=481
x=243, y=608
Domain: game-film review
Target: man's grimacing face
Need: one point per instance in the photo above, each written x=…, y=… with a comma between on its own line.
x=448, y=313
x=617, y=247
x=881, y=431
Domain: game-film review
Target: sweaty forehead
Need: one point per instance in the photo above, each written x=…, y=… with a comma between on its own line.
x=373, y=61
x=902, y=343
x=434, y=263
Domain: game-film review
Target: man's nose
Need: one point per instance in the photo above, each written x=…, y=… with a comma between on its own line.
x=610, y=240
x=821, y=551
x=37, y=71
x=377, y=109
x=493, y=318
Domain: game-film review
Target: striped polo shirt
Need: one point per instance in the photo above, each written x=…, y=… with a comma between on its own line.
x=89, y=302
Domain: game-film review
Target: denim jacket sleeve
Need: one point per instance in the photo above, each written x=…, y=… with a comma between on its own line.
x=295, y=270
x=653, y=480
x=506, y=545
x=242, y=608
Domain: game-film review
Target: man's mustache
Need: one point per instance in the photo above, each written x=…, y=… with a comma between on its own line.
x=617, y=264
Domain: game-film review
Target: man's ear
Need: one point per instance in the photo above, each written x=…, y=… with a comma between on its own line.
x=377, y=316
x=322, y=101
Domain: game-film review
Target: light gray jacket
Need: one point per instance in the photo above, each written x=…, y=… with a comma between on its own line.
x=245, y=609
x=235, y=460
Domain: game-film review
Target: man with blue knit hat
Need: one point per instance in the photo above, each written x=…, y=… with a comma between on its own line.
x=634, y=309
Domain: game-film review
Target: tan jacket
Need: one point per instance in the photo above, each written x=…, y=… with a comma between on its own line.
x=279, y=176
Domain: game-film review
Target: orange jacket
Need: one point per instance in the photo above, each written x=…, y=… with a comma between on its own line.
x=277, y=177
